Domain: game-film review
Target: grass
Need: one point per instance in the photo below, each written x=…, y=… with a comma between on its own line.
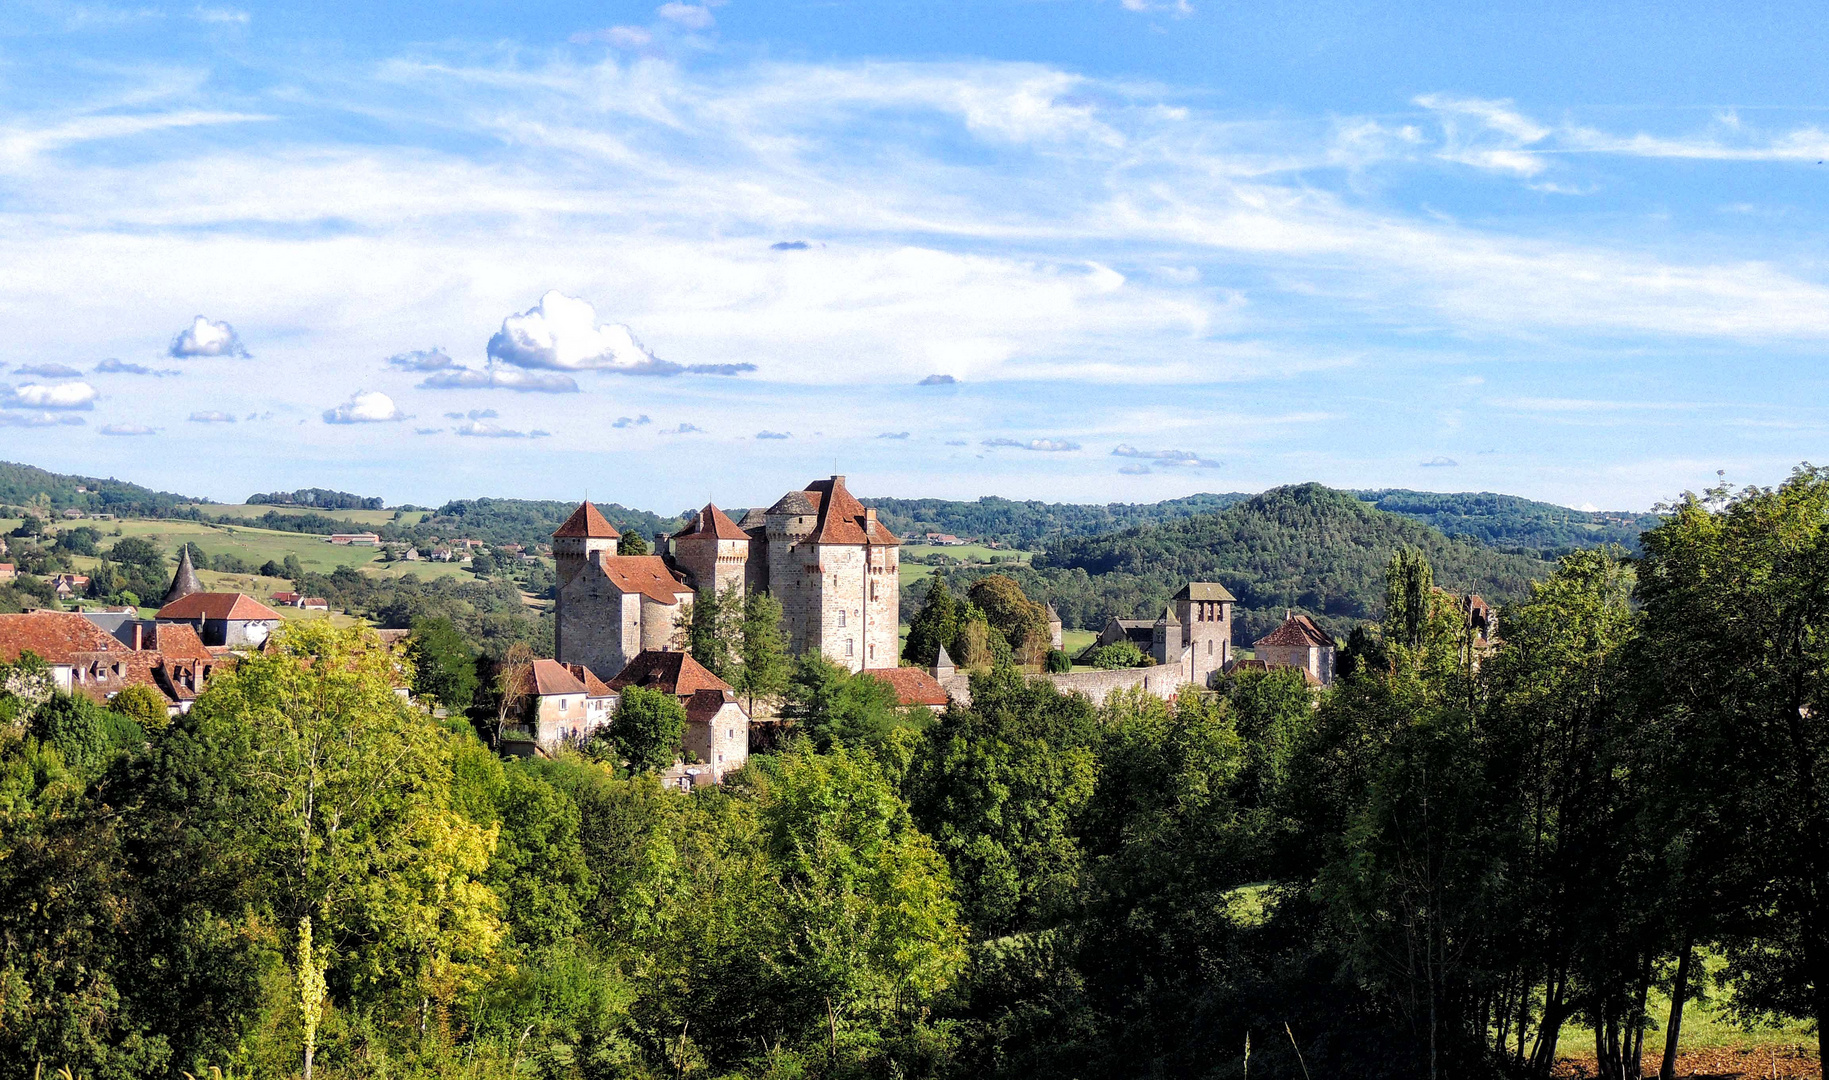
x=1707, y=1025
x=1073, y=642
x=975, y=555
x=257, y=547
x=370, y=518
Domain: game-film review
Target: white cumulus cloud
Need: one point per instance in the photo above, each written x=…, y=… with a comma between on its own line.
x=365, y=407
x=212, y=416
x=206, y=337
x=690, y=16
x=127, y=429
x=39, y=420
x=70, y=395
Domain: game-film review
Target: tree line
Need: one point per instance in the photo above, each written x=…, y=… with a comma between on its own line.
x=1459, y=860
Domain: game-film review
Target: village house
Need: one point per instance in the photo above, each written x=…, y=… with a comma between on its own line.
x=1297, y=643
x=914, y=686
x=717, y=728
x=85, y=658
x=231, y=620
x=8, y=571
x=568, y=704
x=362, y=539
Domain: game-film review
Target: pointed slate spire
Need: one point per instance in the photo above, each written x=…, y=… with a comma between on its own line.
x=943, y=663
x=184, y=582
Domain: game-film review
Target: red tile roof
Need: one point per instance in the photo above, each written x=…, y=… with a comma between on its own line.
x=713, y=522
x=913, y=686
x=674, y=672
x=644, y=574
x=238, y=607
x=703, y=705
x=586, y=521
x=177, y=641
x=56, y=636
x=593, y=686
x=551, y=677
x=1297, y=630
x=842, y=519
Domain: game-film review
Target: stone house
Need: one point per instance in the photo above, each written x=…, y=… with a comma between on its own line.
x=569, y=704
x=230, y=620
x=717, y=728
x=1298, y=643
x=86, y=658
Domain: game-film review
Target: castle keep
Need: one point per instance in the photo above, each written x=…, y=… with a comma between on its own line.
x=822, y=554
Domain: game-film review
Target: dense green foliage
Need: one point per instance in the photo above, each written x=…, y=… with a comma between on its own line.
x=1028, y=524
x=489, y=614
x=322, y=498
x=23, y=485
x=517, y=521
x=1439, y=866
x=1508, y=521
x=1307, y=548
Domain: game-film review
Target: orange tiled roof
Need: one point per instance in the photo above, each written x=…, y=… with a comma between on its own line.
x=713, y=522
x=593, y=686
x=1297, y=630
x=913, y=686
x=645, y=574
x=56, y=636
x=586, y=521
x=217, y=605
x=177, y=641
x=551, y=677
x=674, y=672
x=842, y=519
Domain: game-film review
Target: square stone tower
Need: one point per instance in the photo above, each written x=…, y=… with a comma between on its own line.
x=1205, y=611
x=836, y=571
x=713, y=551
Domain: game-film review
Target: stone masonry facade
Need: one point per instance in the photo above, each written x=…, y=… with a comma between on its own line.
x=824, y=556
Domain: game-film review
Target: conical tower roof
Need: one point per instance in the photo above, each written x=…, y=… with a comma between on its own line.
x=184, y=582
x=942, y=660
x=588, y=522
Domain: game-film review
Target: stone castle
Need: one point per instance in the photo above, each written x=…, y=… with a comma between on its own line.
x=822, y=554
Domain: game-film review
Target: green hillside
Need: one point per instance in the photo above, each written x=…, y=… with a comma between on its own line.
x=1033, y=524
x=22, y=485
x=520, y=521
x=1511, y=521
x=1306, y=547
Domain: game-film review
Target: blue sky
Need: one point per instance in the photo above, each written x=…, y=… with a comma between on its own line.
x=1068, y=249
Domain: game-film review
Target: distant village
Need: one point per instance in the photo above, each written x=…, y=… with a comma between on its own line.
x=620, y=619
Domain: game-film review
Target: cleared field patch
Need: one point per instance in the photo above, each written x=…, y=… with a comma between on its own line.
x=369, y=518
x=975, y=556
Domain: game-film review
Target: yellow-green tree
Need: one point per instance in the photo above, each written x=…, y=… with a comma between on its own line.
x=342, y=810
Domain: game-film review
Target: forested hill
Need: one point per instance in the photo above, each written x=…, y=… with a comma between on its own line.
x=1500, y=520
x=1029, y=524
x=1306, y=547
x=1510, y=521
x=520, y=521
x=22, y=485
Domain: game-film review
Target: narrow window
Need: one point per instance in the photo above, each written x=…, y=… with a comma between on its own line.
x=872, y=650
x=848, y=649
x=841, y=618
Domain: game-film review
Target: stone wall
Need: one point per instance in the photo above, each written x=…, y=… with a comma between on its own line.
x=1163, y=681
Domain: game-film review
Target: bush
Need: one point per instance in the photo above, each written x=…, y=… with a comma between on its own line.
x=1120, y=654
x=143, y=705
x=1057, y=663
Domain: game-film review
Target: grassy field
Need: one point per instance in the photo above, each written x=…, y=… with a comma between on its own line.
x=970, y=554
x=1074, y=641
x=370, y=518
x=256, y=546
x=1707, y=1028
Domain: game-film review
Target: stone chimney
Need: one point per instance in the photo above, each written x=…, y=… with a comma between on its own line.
x=660, y=543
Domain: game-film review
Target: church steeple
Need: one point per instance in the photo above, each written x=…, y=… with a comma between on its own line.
x=184, y=582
